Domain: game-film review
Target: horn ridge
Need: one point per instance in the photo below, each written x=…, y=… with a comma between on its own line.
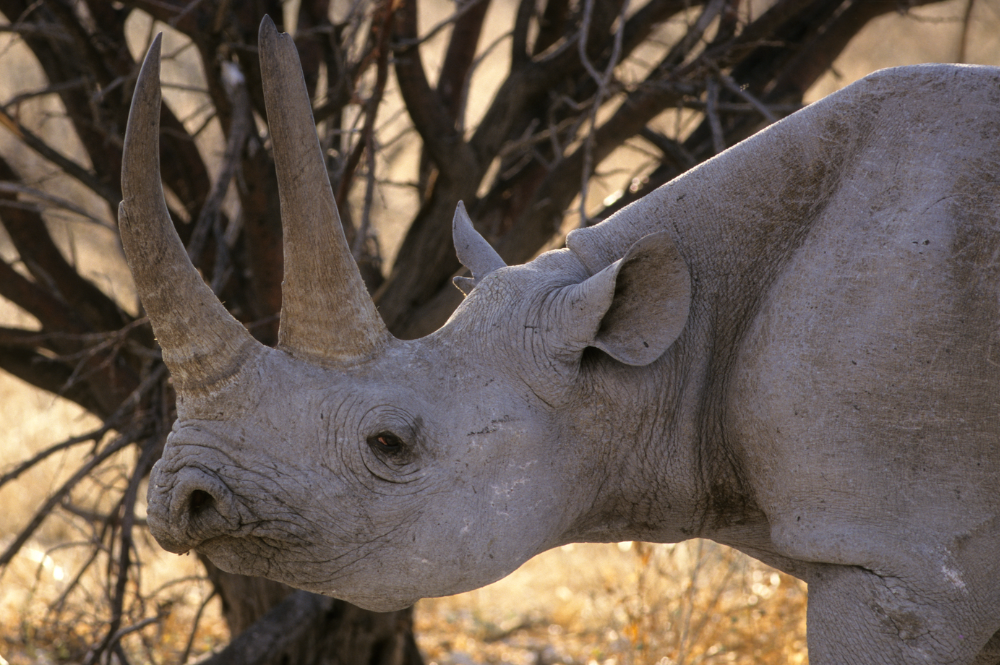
x=326, y=312
x=203, y=345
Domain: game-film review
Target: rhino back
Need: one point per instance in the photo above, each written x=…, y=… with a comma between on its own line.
x=865, y=399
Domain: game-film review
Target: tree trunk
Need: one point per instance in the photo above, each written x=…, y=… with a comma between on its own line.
x=271, y=623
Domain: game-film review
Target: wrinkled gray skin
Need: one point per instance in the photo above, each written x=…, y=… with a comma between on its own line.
x=793, y=349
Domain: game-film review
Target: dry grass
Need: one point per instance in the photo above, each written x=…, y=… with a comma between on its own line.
x=38, y=624
x=630, y=604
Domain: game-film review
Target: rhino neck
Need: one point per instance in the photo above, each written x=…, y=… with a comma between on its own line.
x=736, y=221
x=654, y=472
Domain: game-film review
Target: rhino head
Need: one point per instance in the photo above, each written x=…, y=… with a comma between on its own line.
x=357, y=465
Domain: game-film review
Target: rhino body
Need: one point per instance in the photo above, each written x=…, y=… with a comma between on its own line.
x=793, y=349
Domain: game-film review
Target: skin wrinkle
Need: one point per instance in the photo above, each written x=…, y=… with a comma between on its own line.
x=344, y=563
x=276, y=488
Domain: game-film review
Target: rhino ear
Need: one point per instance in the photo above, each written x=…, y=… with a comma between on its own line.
x=634, y=309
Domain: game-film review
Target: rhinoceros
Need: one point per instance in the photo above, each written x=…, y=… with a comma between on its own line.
x=793, y=349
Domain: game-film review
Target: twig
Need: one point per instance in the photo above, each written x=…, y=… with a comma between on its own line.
x=711, y=102
x=134, y=627
x=708, y=612
x=364, y=228
x=519, y=55
x=452, y=155
x=191, y=6
x=674, y=150
x=194, y=626
x=239, y=130
x=686, y=44
x=124, y=439
x=16, y=188
x=466, y=84
x=94, y=435
x=963, y=37
x=52, y=89
x=381, y=50
x=66, y=164
x=457, y=14
x=603, y=79
x=150, y=452
x=740, y=107
x=735, y=88
x=90, y=515
x=36, y=29
x=691, y=590
x=96, y=548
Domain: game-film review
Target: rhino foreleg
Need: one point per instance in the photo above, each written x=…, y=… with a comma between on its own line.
x=858, y=616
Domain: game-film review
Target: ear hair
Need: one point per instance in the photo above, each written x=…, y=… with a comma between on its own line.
x=464, y=284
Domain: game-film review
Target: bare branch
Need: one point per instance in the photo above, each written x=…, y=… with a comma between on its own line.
x=56, y=88
x=41, y=456
x=239, y=131
x=126, y=438
x=711, y=102
x=603, y=79
x=366, y=142
x=446, y=146
x=453, y=79
x=150, y=453
x=113, y=197
x=35, y=300
x=551, y=24
x=963, y=37
x=519, y=55
x=733, y=87
x=194, y=626
x=465, y=8
x=56, y=201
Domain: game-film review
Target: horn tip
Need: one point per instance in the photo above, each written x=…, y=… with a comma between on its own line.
x=461, y=223
x=267, y=28
x=277, y=50
x=151, y=63
x=268, y=36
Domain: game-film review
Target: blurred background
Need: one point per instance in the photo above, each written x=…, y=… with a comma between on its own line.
x=542, y=115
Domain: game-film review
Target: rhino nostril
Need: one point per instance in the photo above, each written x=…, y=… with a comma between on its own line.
x=190, y=507
x=199, y=502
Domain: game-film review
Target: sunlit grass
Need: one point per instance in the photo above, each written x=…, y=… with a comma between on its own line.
x=41, y=619
x=630, y=604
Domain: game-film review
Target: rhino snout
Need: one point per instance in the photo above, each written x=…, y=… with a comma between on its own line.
x=189, y=508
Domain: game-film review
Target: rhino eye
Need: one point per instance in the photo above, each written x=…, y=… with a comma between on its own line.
x=387, y=443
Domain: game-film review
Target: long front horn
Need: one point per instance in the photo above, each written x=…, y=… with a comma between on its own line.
x=326, y=312
x=203, y=345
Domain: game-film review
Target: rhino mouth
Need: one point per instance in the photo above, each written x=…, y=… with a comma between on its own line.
x=260, y=557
